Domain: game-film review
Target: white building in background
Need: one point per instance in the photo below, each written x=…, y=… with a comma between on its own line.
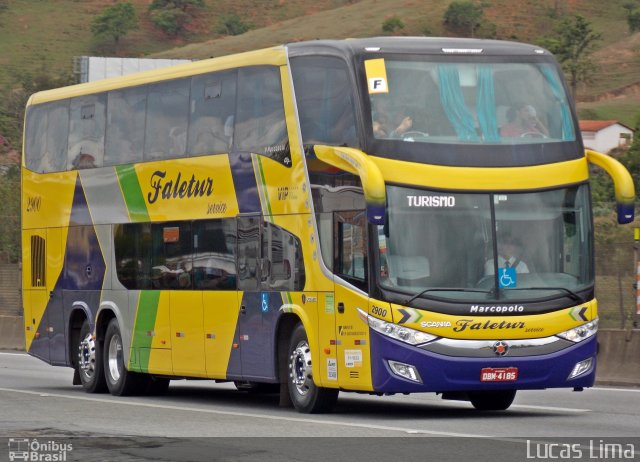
x=605, y=135
x=91, y=68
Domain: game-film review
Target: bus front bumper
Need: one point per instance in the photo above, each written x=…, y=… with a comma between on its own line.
x=435, y=372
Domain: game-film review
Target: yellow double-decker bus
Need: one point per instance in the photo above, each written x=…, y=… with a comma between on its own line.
x=385, y=215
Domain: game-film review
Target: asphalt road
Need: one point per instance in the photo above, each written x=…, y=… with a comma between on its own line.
x=201, y=420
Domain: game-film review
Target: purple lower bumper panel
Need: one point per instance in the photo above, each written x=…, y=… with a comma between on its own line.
x=440, y=373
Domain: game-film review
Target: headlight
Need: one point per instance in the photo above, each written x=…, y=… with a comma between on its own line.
x=404, y=334
x=580, y=333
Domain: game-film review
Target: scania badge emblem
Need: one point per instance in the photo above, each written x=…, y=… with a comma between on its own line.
x=500, y=348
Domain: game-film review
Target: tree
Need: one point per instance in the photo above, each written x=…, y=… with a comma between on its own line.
x=573, y=43
x=232, y=24
x=464, y=16
x=115, y=21
x=183, y=5
x=172, y=16
x=633, y=20
x=392, y=24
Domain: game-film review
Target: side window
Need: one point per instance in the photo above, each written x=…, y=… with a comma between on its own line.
x=126, y=116
x=214, y=260
x=46, y=140
x=212, y=111
x=167, y=120
x=282, y=263
x=325, y=101
x=248, y=252
x=86, y=132
x=260, y=125
x=350, y=258
x=133, y=255
x=172, y=256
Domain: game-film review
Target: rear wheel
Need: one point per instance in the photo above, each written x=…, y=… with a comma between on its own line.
x=498, y=400
x=89, y=361
x=120, y=381
x=306, y=396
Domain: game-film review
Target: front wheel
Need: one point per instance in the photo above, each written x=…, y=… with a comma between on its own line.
x=498, y=400
x=120, y=381
x=306, y=396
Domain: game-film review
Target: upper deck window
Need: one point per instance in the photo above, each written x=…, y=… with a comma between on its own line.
x=482, y=103
x=324, y=96
x=518, y=109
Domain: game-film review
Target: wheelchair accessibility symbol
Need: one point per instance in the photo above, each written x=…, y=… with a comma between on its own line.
x=507, y=277
x=264, y=298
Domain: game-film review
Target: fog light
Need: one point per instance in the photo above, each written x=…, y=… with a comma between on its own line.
x=581, y=368
x=405, y=371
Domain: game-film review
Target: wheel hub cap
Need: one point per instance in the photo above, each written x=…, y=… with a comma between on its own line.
x=115, y=358
x=300, y=371
x=87, y=355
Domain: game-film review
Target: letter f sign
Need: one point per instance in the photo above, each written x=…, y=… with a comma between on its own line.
x=378, y=85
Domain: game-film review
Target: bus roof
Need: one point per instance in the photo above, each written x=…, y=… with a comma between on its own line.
x=276, y=56
x=422, y=45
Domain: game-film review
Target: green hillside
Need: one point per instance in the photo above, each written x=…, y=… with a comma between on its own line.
x=39, y=34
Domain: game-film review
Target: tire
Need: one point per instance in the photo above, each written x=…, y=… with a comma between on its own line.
x=498, y=400
x=120, y=381
x=305, y=395
x=89, y=361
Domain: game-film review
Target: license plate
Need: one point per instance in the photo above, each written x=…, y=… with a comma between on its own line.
x=502, y=374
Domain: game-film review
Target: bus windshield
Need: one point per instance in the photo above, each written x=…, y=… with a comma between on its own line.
x=421, y=101
x=517, y=246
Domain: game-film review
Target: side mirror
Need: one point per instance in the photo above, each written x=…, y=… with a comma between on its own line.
x=622, y=181
x=357, y=162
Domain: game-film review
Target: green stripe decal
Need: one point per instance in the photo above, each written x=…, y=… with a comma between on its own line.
x=263, y=184
x=132, y=193
x=145, y=323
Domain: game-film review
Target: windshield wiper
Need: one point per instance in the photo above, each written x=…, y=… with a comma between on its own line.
x=445, y=289
x=572, y=295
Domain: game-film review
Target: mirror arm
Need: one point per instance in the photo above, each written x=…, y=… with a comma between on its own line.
x=358, y=163
x=622, y=181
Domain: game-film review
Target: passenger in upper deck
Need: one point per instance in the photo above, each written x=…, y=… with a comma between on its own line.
x=523, y=121
x=387, y=122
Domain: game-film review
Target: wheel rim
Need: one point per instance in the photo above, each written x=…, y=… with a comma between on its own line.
x=87, y=356
x=115, y=358
x=300, y=372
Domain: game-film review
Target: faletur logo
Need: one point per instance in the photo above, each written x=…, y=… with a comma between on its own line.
x=178, y=188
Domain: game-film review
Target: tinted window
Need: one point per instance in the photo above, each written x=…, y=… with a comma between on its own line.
x=351, y=247
x=86, y=132
x=47, y=133
x=125, y=126
x=283, y=266
x=260, y=125
x=171, y=258
x=133, y=255
x=325, y=102
x=248, y=252
x=214, y=260
x=167, y=120
x=213, y=105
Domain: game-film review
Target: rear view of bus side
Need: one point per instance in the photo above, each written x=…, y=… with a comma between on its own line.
x=373, y=215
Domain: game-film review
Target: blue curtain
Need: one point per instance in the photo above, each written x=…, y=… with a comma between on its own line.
x=453, y=103
x=487, y=104
x=558, y=91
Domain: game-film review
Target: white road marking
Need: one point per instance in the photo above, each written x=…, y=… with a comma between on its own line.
x=333, y=423
x=12, y=354
x=550, y=408
x=448, y=403
x=630, y=390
